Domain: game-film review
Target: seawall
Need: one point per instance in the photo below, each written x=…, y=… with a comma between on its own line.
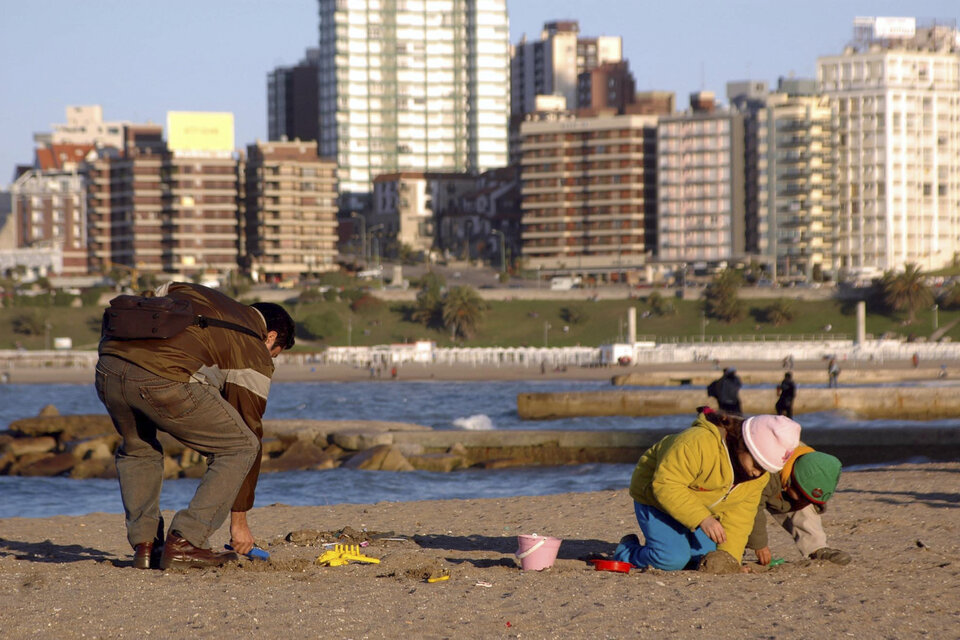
x=871, y=403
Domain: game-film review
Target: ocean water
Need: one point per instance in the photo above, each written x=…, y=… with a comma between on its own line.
x=440, y=405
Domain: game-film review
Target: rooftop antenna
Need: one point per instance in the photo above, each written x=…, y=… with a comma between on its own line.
x=703, y=77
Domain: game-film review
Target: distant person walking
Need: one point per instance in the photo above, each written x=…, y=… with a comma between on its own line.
x=833, y=373
x=726, y=391
x=786, y=392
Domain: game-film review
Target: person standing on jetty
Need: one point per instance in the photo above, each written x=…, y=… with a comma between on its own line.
x=726, y=390
x=786, y=392
x=795, y=497
x=833, y=374
x=207, y=387
x=696, y=493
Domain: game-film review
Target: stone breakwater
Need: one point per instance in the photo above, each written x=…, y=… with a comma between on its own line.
x=83, y=446
x=869, y=403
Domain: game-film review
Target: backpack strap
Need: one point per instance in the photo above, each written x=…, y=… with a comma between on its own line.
x=204, y=322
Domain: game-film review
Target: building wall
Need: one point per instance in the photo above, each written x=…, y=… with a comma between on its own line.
x=412, y=88
x=292, y=101
x=289, y=210
x=897, y=108
x=700, y=194
x=588, y=194
x=797, y=194
x=49, y=211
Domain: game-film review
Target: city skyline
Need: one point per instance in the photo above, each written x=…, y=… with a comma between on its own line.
x=100, y=53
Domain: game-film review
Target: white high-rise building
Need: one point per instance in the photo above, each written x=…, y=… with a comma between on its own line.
x=895, y=93
x=415, y=85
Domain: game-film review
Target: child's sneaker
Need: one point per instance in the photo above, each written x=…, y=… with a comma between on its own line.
x=836, y=556
x=624, y=550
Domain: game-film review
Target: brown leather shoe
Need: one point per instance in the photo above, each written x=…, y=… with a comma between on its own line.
x=180, y=554
x=146, y=555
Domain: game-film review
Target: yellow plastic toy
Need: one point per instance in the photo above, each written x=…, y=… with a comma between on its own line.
x=342, y=554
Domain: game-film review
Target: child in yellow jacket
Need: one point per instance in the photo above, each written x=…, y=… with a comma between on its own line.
x=698, y=491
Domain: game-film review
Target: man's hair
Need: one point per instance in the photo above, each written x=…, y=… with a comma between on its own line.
x=277, y=320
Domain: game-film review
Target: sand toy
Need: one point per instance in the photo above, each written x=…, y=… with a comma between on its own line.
x=342, y=554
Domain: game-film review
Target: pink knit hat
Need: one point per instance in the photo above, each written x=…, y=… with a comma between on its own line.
x=771, y=440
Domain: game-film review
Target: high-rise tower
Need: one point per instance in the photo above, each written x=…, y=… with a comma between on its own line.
x=412, y=85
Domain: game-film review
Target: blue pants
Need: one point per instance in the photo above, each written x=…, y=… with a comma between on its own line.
x=669, y=545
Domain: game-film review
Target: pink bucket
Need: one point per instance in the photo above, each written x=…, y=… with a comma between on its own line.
x=537, y=552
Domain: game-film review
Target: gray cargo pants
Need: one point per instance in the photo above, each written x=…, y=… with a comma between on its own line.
x=140, y=403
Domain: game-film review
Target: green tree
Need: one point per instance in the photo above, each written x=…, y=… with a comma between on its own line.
x=29, y=323
x=573, y=315
x=721, y=297
x=428, y=310
x=463, y=310
x=906, y=291
x=660, y=306
x=779, y=312
x=950, y=299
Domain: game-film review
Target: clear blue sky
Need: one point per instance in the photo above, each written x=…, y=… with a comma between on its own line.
x=140, y=59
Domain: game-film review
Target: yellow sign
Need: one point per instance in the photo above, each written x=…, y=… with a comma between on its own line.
x=199, y=131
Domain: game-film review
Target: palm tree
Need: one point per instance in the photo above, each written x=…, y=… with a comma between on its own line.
x=906, y=291
x=462, y=310
x=721, y=299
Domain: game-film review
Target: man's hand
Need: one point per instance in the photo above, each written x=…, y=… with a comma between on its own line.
x=241, y=539
x=764, y=556
x=714, y=530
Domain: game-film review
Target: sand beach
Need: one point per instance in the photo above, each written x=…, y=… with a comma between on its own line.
x=70, y=577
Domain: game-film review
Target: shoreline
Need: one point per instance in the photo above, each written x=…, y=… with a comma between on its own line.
x=70, y=577
x=659, y=374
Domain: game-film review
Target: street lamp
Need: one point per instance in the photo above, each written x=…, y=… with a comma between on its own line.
x=936, y=317
x=363, y=232
x=503, y=242
x=373, y=236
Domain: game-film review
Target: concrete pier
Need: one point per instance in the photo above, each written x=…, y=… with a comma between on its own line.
x=870, y=403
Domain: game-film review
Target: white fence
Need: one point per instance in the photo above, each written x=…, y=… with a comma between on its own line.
x=876, y=351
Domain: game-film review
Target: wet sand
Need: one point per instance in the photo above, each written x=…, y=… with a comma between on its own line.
x=70, y=577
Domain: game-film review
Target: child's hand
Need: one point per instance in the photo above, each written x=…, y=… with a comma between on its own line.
x=714, y=530
x=764, y=556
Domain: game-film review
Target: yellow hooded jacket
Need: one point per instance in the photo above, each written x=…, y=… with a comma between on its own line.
x=689, y=476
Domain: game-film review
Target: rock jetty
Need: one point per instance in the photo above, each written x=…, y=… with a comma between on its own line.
x=83, y=446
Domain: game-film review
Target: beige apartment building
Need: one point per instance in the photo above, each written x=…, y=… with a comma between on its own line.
x=290, y=206
x=408, y=207
x=588, y=194
x=49, y=209
x=700, y=190
x=895, y=93
x=797, y=196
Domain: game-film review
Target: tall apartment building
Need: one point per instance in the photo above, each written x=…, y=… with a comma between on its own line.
x=292, y=100
x=199, y=231
x=610, y=84
x=419, y=85
x=700, y=185
x=588, y=194
x=49, y=212
x=552, y=65
x=290, y=207
x=123, y=186
x=797, y=197
x=895, y=93
x=168, y=206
